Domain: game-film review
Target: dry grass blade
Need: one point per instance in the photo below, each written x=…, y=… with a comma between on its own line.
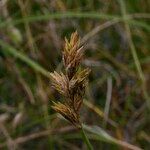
x=26, y=138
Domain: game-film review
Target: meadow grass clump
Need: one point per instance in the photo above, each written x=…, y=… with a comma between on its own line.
x=71, y=84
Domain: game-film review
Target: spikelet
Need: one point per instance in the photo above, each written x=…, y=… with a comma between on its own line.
x=60, y=82
x=66, y=112
x=71, y=84
x=72, y=54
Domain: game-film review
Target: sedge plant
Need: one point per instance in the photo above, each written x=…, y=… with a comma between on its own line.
x=71, y=84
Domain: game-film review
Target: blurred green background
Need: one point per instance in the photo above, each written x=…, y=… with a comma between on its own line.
x=116, y=39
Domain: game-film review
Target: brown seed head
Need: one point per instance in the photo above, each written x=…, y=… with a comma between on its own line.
x=72, y=54
x=72, y=84
x=66, y=112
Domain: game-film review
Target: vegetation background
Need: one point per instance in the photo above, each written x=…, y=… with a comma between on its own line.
x=115, y=34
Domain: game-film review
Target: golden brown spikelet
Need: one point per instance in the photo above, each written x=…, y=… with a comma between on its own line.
x=72, y=84
x=72, y=54
x=66, y=112
x=80, y=77
x=60, y=82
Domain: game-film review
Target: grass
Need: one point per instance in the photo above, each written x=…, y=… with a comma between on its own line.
x=116, y=38
x=80, y=15
x=134, y=53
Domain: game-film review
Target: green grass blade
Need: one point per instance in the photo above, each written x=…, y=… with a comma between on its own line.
x=86, y=140
x=12, y=51
x=134, y=53
x=70, y=15
x=91, y=15
x=105, y=137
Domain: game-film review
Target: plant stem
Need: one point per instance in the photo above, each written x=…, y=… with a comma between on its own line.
x=134, y=54
x=85, y=139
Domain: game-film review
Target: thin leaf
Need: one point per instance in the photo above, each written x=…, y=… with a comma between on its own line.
x=105, y=137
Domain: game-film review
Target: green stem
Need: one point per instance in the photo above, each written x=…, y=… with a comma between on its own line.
x=134, y=54
x=85, y=139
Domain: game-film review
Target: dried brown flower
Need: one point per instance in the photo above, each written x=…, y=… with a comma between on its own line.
x=72, y=84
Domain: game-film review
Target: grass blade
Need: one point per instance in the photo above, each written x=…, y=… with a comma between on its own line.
x=105, y=137
x=12, y=51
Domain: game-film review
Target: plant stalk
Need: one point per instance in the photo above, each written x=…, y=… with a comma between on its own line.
x=85, y=139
